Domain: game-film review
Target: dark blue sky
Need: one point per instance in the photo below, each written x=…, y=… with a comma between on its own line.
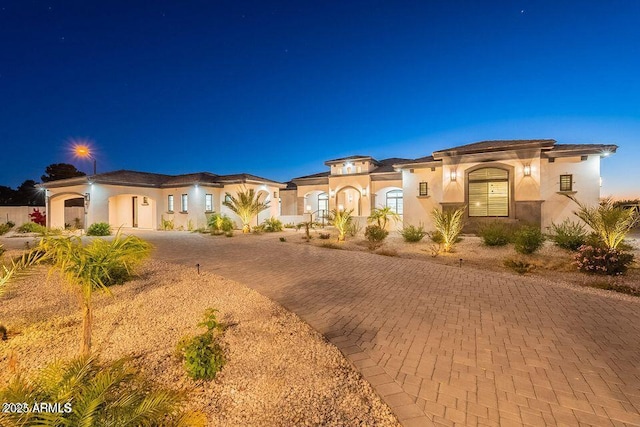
x=276, y=88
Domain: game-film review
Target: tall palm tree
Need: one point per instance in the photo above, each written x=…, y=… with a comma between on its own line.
x=449, y=224
x=382, y=216
x=246, y=204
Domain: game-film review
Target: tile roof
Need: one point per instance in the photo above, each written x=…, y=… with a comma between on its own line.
x=498, y=145
x=354, y=157
x=386, y=165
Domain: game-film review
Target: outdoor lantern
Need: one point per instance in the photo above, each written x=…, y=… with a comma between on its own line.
x=308, y=208
x=453, y=175
x=332, y=193
x=527, y=170
x=87, y=197
x=364, y=192
x=340, y=207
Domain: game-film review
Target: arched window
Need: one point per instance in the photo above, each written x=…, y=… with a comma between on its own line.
x=489, y=192
x=323, y=205
x=394, y=201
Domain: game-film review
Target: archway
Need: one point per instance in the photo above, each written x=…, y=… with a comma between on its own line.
x=67, y=210
x=348, y=198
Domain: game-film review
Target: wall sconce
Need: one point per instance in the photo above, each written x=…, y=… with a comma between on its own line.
x=453, y=175
x=308, y=208
x=364, y=192
x=527, y=170
x=87, y=197
x=340, y=207
x=275, y=194
x=332, y=193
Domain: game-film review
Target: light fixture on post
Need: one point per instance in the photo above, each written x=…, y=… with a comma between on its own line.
x=526, y=170
x=453, y=175
x=83, y=150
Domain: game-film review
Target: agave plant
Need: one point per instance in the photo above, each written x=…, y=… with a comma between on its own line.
x=92, y=394
x=610, y=222
x=246, y=204
x=382, y=216
x=449, y=224
x=341, y=220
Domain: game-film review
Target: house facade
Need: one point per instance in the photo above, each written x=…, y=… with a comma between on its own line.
x=132, y=199
x=515, y=181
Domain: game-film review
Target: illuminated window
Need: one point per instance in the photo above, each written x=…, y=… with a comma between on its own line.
x=184, y=200
x=395, y=201
x=566, y=182
x=423, y=189
x=323, y=204
x=489, y=192
x=170, y=203
x=208, y=202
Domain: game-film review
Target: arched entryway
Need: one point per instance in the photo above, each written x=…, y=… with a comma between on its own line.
x=348, y=198
x=317, y=203
x=67, y=210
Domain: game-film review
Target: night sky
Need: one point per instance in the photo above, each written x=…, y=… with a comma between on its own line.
x=277, y=88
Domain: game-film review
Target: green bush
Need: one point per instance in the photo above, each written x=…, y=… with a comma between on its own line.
x=99, y=229
x=31, y=227
x=203, y=355
x=495, y=233
x=602, y=260
x=568, y=235
x=528, y=239
x=324, y=236
x=166, y=224
x=272, y=225
x=518, y=265
x=283, y=239
x=4, y=228
x=220, y=224
x=413, y=234
x=375, y=234
x=258, y=229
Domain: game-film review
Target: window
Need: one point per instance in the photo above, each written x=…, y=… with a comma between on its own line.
x=489, y=192
x=170, y=203
x=184, y=200
x=566, y=182
x=423, y=189
x=394, y=201
x=323, y=205
x=208, y=202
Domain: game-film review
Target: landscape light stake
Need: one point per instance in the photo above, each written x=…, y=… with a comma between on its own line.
x=198, y=267
x=460, y=262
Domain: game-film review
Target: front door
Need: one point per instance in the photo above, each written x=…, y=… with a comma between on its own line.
x=134, y=206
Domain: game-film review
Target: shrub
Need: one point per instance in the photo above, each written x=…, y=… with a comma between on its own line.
x=495, y=233
x=220, y=224
x=602, y=260
x=387, y=252
x=4, y=228
x=341, y=220
x=91, y=393
x=11, y=224
x=610, y=223
x=289, y=225
x=257, y=229
x=413, y=234
x=528, y=239
x=568, y=235
x=307, y=225
x=354, y=228
x=449, y=224
x=38, y=217
x=272, y=225
x=324, y=236
x=375, y=234
x=518, y=265
x=283, y=239
x=228, y=233
x=31, y=227
x=166, y=224
x=203, y=355
x=381, y=216
x=99, y=229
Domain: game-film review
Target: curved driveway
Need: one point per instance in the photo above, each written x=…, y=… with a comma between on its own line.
x=445, y=345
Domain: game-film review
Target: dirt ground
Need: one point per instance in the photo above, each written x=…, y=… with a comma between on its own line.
x=279, y=372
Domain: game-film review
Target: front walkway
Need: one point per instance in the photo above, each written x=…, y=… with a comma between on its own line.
x=446, y=345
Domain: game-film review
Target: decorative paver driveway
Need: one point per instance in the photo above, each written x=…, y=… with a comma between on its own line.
x=445, y=345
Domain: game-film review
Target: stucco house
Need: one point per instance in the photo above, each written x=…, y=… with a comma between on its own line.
x=523, y=181
x=509, y=180
x=142, y=200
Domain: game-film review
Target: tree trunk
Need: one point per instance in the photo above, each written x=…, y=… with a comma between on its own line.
x=87, y=321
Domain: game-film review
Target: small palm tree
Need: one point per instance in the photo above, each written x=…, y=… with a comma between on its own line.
x=449, y=224
x=246, y=205
x=91, y=394
x=382, y=215
x=341, y=220
x=610, y=222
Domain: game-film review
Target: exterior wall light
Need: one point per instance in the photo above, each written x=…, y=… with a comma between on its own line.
x=527, y=170
x=332, y=193
x=364, y=192
x=308, y=208
x=340, y=207
x=87, y=197
x=453, y=175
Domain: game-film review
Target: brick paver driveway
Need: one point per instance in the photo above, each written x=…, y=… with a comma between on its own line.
x=446, y=345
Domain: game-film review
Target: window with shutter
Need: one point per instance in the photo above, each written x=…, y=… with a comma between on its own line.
x=488, y=190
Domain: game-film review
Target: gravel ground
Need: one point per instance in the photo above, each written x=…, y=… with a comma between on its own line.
x=279, y=372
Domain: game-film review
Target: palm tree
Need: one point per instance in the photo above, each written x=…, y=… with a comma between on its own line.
x=382, y=216
x=91, y=394
x=246, y=204
x=341, y=220
x=449, y=224
x=610, y=222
